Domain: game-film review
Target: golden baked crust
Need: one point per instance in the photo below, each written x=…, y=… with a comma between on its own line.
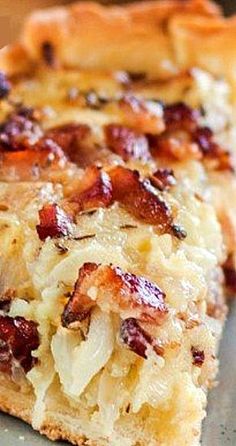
x=93, y=36
x=134, y=33
x=79, y=35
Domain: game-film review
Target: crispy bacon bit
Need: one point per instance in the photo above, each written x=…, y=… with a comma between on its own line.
x=137, y=339
x=180, y=116
x=126, y=142
x=76, y=141
x=54, y=222
x=163, y=179
x=48, y=53
x=29, y=164
x=5, y=86
x=79, y=304
x=140, y=198
x=176, y=144
x=18, y=338
x=116, y=291
x=204, y=137
x=19, y=132
x=145, y=116
x=69, y=136
x=95, y=191
x=198, y=357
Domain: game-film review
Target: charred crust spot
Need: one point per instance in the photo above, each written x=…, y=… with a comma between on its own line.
x=137, y=339
x=198, y=357
x=5, y=86
x=18, y=338
x=54, y=222
x=48, y=53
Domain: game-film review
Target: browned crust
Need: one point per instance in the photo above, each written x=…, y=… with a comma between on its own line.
x=117, y=37
x=128, y=37
x=20, y=405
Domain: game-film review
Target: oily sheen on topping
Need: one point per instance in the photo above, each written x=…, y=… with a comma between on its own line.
x=54, y=222
x=116, y=291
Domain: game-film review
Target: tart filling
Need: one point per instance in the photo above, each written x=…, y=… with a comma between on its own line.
x=112, y=250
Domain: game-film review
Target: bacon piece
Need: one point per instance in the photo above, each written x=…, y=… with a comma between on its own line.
x=5, y=86
x=126, y=142
x=29, y=164
x=139, y=198
x=95, y=191
x=198, y=357
x=71, y=138
x=179, y=116
x=18, y=338
x=76, y=141
x=79, y=304
x=221, y=158
x=137, y=339
x=145, y=116
x=54, y=222
x=68, y=135
x=176, y=144
x=115, y=291
x=163, y=179
x=19, y=133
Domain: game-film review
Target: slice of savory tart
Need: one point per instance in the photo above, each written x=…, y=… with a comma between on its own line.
x=117, y=221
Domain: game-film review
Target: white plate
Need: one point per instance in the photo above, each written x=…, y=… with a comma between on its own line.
x=219, y=427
